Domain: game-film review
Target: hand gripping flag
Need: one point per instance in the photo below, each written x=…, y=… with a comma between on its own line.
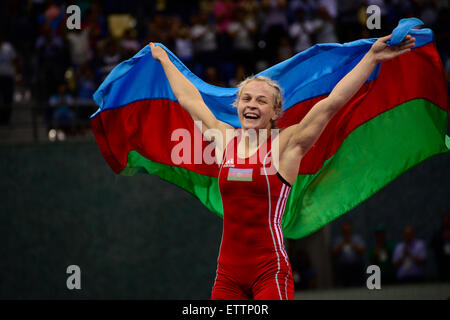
x=396, y=120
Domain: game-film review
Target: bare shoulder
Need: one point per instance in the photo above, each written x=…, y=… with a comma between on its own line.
x=285, y=138
x=289, y=156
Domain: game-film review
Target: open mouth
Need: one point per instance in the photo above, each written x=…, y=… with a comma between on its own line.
x=251, y=116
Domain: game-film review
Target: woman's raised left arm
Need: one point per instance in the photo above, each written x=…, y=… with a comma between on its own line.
x=352, y=82
x=304, y=134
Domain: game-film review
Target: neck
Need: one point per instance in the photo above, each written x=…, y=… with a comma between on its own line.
x=252, y=139
x=255, y=137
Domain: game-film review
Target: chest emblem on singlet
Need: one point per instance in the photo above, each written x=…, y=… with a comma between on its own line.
x=235, y=174
x=229, y=163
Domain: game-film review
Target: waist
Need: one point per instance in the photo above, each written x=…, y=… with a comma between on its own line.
x=250, y=242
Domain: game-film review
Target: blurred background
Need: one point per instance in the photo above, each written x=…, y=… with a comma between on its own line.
x=142, y=238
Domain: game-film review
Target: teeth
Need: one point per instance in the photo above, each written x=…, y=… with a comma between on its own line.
x=251, y=116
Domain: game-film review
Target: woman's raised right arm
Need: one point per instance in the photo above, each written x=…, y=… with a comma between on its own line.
x=187, y=94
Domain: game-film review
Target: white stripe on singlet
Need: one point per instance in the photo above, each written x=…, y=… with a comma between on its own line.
x=277, y=210
x=277, y=226
x=284, y=252
x=270, y=223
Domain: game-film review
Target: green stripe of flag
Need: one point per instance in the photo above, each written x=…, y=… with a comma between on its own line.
x=237, y=178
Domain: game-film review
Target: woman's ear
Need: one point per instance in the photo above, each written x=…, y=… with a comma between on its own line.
x=276, y=115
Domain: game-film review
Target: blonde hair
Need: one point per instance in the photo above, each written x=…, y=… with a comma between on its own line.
x=277, y=95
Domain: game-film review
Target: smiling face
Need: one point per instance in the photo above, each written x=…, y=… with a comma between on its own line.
x=256, y=105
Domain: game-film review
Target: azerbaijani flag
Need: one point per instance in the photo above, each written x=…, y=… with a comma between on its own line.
x=396, y=120
x=237, y=174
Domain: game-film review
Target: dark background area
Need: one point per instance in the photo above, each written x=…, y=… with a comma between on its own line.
x=132, y=237
x=140, y=237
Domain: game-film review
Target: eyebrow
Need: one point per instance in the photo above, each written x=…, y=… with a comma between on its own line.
x=260, y=96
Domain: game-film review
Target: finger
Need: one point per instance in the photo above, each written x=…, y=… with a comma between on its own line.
x=385, y=38
x=403, y=51
x=407, y=45
x=409, y=40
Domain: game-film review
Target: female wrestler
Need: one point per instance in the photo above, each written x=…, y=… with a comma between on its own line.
x=253, y=263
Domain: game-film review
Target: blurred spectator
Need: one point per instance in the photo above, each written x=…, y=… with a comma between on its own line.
x=95, y=22
x=159, y=30
x=53, y=15
x=21, y=32
x=203, y=34
x=242, y=32
x=9, y=65
x=80, y=50
x=250, y=7
x=212, y=77
x=52, y=61
x=381, y=255
x=392, y=13
x=427, y=12
x=129, y=45
x=307, y=6
x=299, y=31
x=330, y=6
x=274, y=26
x=305, y=277
x=184, y=48
x=60, y=115
x=86, y=84
x=410, y=257
x=323, y=27
x=348, y=19
x=174, y=26
x=205, y=6
x=239, y=76
x=223, y=11
x=348, y=257
x=85, y=6
x=109, y=57
x=441, y=246
x=284, y=49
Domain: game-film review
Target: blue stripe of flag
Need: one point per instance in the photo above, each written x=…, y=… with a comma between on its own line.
x=237, y=170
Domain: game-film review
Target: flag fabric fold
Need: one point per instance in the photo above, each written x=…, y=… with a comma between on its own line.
x=396, y=120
